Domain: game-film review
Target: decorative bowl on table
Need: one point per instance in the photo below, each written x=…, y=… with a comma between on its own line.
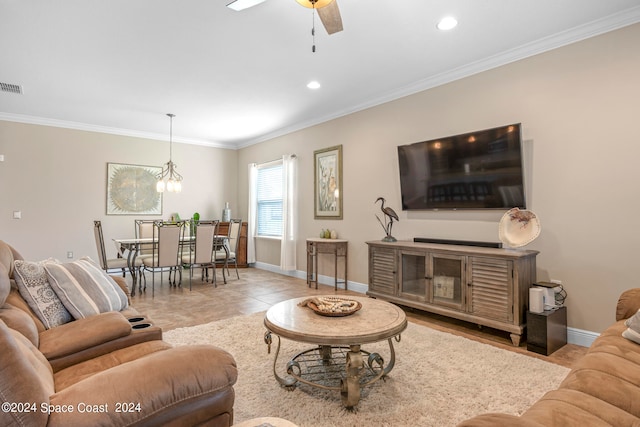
x=331, y=306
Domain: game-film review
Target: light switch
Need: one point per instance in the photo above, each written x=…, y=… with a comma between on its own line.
x=1, y=157
x=17, y=215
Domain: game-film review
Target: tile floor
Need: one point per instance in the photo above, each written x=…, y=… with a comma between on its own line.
x=257, y=290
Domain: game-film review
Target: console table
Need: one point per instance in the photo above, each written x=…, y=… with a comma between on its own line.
x=336, y=247
x=486, y=286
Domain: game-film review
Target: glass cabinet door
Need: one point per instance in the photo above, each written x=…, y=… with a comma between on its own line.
x=447, y=281
x=413, y=279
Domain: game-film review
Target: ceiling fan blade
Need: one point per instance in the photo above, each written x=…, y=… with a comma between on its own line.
x=330, y=17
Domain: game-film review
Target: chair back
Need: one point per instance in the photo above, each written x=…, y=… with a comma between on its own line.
x=167, y=247
x=235, y=226
x=144, y=230
x=204, y=233
x=102, y=256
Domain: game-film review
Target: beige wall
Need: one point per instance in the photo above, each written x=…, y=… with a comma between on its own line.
x=57, y=179
x=578, y=106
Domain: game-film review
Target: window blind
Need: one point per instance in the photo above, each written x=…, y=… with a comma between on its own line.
x=269, y=195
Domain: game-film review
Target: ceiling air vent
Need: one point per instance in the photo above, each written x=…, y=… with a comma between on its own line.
x=11, y=88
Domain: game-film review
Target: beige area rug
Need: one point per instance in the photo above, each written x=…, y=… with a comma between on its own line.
x=439, y=379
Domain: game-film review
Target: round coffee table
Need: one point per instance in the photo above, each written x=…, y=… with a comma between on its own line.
x=337, y=361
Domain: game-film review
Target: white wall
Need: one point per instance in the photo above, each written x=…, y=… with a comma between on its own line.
x=578, y=106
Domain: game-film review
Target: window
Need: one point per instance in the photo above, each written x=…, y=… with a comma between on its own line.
x=269, y=195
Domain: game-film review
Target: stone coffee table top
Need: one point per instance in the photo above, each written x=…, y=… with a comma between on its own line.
x=376, y=321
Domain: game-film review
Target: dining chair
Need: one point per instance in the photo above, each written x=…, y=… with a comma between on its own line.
x=144, y=230
x=233, y=238
x=166, y=254
x=200, y=254
x=111, y=265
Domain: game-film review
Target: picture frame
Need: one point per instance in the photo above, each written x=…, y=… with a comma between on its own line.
x=328, y=196
x=131, y=190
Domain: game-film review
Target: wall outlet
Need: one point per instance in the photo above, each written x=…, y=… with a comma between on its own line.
x=70, y=254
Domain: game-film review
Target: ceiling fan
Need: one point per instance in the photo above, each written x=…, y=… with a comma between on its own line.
x=327, y=10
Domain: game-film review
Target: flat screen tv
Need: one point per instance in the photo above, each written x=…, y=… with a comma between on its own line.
x=476, y=170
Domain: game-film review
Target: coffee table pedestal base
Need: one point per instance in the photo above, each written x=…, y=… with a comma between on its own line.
x=346, y=369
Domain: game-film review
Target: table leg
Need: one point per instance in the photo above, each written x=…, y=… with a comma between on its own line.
x=132, y=271
x=315, y=267
x=335, y=269
x=345, y=271
x=309, y=265
x=289, y=382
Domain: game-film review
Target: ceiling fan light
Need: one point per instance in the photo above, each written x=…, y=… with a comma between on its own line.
x=317, y=4
x=447, y=23
x=239, y=5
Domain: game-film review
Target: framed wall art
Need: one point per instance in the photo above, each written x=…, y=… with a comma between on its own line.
x=131, y=190
x=328, y=183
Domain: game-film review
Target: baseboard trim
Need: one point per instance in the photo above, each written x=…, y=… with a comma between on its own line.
x=581, y=337
x=574, y=336
x=323, y=280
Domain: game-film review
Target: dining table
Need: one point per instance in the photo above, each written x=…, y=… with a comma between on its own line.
x=131, y=248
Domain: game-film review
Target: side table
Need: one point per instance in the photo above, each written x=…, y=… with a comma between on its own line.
x=547, y=331
x=315, y=246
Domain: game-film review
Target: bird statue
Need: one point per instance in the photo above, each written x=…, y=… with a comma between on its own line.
x=389, y=216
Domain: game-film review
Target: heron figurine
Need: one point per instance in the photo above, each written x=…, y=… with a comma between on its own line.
x=389, y=216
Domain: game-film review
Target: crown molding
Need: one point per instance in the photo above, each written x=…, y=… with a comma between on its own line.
x=43, y=121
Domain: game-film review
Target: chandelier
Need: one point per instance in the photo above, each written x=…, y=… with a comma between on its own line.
x=173, y=179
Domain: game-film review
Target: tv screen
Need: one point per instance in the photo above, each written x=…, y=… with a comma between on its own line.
x=476, y=170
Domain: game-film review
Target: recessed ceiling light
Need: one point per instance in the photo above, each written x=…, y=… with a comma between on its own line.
x=447, y=23
x=313, y=84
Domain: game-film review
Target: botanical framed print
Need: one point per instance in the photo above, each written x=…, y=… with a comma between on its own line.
x=328, y=183
x=131, y=190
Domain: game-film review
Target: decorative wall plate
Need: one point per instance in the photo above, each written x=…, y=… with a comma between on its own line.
x=518, y=227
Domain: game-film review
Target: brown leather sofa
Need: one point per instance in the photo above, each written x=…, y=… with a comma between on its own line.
x=603, y=389
x=75, y=341
x=105, y=374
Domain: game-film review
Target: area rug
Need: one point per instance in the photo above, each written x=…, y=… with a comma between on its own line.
x=439, y=379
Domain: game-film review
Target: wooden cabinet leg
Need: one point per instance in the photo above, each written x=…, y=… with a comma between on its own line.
x=515, y=339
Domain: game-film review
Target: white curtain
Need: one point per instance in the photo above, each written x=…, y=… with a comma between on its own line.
x=289, y=213
x=253, y=209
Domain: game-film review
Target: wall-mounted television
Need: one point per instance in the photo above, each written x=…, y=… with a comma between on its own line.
x=476, y=170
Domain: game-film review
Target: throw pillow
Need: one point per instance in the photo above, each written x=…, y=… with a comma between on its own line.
x=35, y=289
x=84, y=288
x=633, y=328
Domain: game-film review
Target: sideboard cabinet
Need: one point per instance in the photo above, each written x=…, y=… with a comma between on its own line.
x=486, y=286
x=223, y=229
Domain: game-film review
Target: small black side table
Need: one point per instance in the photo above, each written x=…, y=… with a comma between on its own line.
x=547, y=331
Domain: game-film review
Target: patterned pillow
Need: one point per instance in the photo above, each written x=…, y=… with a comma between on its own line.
x=33, y=286
x=84, y=288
